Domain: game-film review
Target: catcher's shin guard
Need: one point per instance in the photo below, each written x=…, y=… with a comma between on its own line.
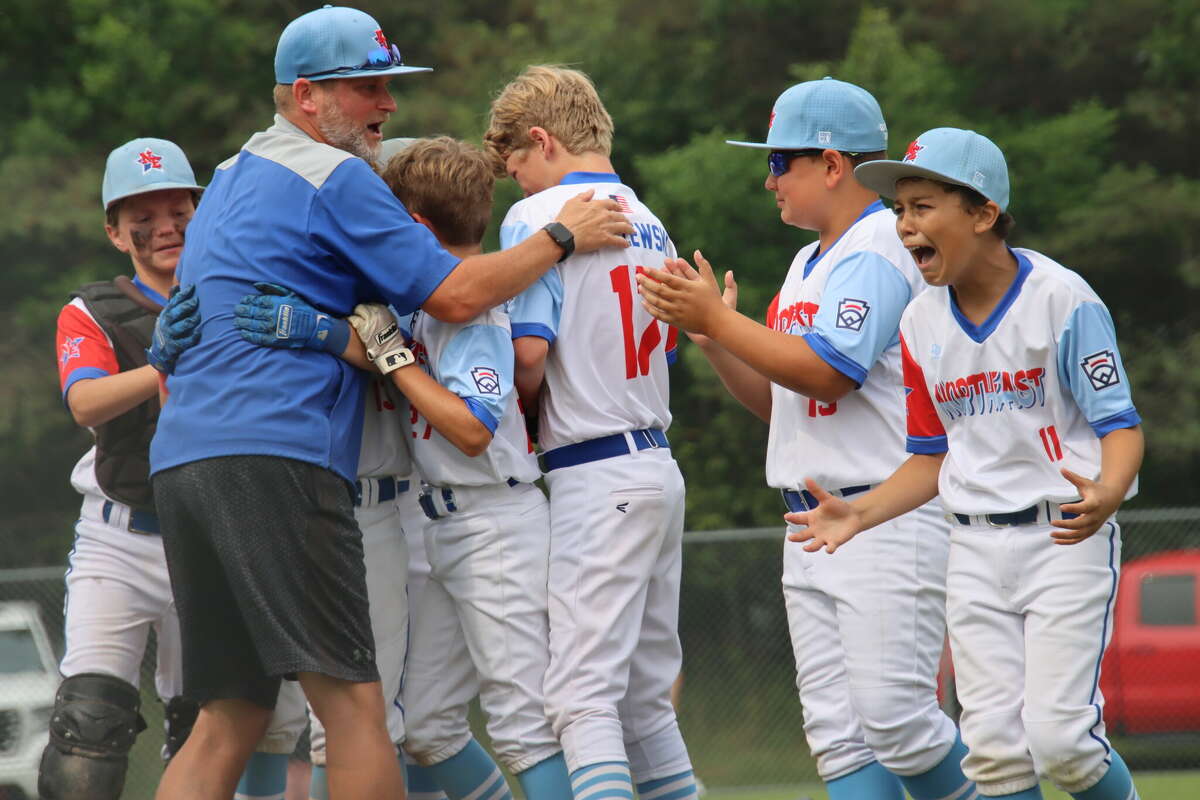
x=94, y=724
x=181, y=715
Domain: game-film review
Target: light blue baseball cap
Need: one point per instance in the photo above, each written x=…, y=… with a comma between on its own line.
x=145, y=165
x=825, y=115
x=950, y=155
x=336, y=42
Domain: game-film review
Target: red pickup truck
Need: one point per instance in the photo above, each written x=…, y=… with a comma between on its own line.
x=1151, y=673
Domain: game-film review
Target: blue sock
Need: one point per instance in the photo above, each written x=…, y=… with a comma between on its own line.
x=546, y=780
x=265, y=777
x=422, y=785
x=674, y=787
x=1117, y=783
x=1034, y=793
x=318, y=788
x=471, y=773
x=871, y=781
x=945, y=781
x=610, y=779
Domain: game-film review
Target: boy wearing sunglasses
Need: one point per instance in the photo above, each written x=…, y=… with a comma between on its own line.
x=868, y=627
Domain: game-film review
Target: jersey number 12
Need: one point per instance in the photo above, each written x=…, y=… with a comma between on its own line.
x=637, y=353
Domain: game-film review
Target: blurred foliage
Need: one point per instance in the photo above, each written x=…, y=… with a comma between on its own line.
x=1093, y=104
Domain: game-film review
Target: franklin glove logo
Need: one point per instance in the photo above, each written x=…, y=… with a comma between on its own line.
x=386, y=334
x=283, y=327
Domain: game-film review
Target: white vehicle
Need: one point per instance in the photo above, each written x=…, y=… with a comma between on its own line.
x=28, y=680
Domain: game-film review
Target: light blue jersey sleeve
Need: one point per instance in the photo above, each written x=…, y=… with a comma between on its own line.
x=514, y=232
x=859, y=318
x=537, y=310
x=1089, y=364
x=477, y=365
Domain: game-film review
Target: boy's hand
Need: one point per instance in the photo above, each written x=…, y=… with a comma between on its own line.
x=175, y=330
x=686, y=298
x=594, y=223
x=830, y=525
x=1098, y=502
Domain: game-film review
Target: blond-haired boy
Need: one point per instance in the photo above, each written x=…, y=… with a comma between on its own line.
x=597, y=364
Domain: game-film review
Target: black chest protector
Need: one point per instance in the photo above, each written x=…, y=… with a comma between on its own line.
x=123, y=443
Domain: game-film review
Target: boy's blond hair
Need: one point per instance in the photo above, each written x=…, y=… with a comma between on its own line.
x=446, y=181
x=561, y=100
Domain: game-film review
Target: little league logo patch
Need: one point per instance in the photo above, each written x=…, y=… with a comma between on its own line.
x=851, y=314
x=1101, y=369
x=149, y=160
x=487, y=380
x=69, y=350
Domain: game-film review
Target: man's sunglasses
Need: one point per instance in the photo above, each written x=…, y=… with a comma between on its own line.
x=379, y=58
x=780, y=161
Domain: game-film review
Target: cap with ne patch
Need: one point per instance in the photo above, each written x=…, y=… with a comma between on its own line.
x=336, y=42
x=825, y=115
x=145, y=165
x=951, y=155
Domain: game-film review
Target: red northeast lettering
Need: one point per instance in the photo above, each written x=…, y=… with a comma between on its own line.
x=1035, y=376
x=802, y=313
x=1006, y=381
x=938, y=394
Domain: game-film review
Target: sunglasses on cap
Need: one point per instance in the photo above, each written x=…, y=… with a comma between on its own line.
x=780, y=161
x=379, y=58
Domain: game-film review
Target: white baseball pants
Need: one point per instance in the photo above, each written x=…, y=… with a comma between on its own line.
x=615, y=561
x=1029, y=623
x=868, y=628
x=483, y=613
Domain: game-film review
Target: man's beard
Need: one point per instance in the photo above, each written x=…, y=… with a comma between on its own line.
x=342, y=132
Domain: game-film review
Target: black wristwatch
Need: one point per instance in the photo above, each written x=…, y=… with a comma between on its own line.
x=562, y=237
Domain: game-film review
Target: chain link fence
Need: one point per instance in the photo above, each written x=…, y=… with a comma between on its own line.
x=737, y=703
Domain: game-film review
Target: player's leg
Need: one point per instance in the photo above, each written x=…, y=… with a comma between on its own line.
x=438, y=686
x=266, y=773
x=831, y=725
x=386, y=555
x=109, y=614
x=658, y=757
x=492, y=557
x=890, y=596
x=988, y=644
x=608, y=520
x=1068, y=593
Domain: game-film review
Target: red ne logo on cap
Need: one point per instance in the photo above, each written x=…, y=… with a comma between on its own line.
x=771, y=122
x=149, y=160
x=379, y=37
x=913, y=149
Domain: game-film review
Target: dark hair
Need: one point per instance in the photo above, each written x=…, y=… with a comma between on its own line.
x=112, y=214
x=973, y=200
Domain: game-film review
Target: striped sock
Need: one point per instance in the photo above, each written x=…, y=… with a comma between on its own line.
x=1117, y=783
x=265, y=777
x=471, y=774
x=318, y=787
x=870, y=781
x=674, y=787
x=546, y=780
x=945, y=781
x=610, y=779
x=422, y=785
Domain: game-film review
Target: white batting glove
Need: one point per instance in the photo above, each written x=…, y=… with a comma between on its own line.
x=381, y=335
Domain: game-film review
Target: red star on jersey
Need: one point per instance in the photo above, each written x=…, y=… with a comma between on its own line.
x=913, y=149
x=379, y=37
x=149, y=160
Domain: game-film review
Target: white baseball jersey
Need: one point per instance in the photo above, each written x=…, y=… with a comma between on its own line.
x=1015, y=399
x=846, y=302
x=385, y=428
x=607, y=370
x=474, y=360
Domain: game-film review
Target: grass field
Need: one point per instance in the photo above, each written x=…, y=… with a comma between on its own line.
x=1175, y=785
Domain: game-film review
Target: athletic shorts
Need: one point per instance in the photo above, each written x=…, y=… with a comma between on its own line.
x=266, y=565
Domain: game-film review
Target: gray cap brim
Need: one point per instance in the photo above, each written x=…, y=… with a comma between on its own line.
x=153, y=187
x=360, y=73
x=881, y=176
x=756, y=145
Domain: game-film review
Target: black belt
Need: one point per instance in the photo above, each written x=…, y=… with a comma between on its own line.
x=804, y=500
x=144, y=522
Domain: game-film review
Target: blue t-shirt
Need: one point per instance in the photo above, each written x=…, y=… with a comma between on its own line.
x=315, y=219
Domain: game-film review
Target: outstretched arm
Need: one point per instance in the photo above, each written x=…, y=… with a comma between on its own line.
x=834, y=521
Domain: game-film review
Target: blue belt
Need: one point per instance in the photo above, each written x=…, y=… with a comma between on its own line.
x=1023, y=517
x=449, y=502
x=803, y=500
x=145, y=522
x=605, y=447
x=386, y=488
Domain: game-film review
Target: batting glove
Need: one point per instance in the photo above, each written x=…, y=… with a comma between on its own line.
x=382, y=337
x=176, y=329
x=281, y=318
